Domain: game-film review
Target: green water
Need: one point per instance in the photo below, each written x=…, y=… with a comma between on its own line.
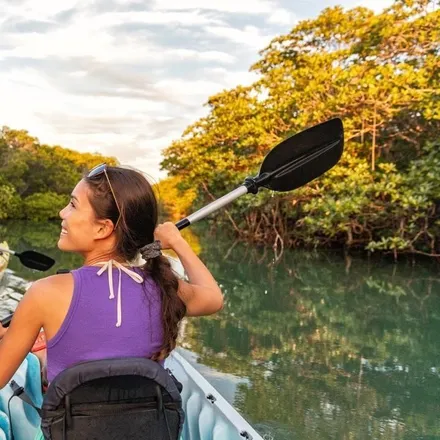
x=316, y=346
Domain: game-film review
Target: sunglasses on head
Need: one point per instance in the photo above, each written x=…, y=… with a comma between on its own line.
x=96, y=171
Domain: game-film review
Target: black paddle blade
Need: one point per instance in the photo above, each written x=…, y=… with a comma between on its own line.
x=303, y=157
x=35, y=260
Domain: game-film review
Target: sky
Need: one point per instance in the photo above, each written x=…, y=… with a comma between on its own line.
x=125, y=77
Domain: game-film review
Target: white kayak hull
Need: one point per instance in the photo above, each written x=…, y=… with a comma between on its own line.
x=207, y=414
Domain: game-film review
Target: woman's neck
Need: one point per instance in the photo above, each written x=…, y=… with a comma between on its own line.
x=90, y=260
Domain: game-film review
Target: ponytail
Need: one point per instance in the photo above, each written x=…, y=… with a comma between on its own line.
x=173, y=308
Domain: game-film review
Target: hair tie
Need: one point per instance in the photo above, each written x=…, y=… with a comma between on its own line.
x=151, y=250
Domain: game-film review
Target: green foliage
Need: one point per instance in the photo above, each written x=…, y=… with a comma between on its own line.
x=7, y=194
x=44, y=206
x=400, y=206
x=380, y=73
x=174, y=200
x=36, y=179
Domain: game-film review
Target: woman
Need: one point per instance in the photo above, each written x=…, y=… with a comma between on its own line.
x=108, y=307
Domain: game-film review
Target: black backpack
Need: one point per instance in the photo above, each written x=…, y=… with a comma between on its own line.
x=114, y=399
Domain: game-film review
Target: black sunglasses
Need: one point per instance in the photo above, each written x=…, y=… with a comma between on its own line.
x=96, y=171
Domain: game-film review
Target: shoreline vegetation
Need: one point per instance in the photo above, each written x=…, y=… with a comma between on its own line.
x=380, y=73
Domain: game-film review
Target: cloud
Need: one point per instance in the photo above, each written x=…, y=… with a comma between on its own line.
x=41, y=10
x=283, y=16
x=249, y=36
x=126, y=77
x=193, y=18
x=230, y=78
x=28, y=26
x=229, y=6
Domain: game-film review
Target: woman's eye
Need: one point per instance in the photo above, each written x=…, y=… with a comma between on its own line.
x=71, y=204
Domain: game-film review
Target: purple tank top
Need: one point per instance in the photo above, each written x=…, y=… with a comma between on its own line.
x=89, y=331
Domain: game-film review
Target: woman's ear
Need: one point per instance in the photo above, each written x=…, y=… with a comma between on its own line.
x=104, y=228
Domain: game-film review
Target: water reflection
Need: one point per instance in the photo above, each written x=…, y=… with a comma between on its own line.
x=330, y=347
x=316, y=346
x=41, y=237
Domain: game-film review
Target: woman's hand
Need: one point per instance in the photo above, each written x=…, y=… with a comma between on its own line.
x=202, y=295
x=168, y=234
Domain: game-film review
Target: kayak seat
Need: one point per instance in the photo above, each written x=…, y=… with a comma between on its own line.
x=130, y=398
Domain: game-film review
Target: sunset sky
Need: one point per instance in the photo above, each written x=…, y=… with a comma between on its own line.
x=125, y=78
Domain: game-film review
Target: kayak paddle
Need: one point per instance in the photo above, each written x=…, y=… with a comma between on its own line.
x=32, y=259
x=294, y=162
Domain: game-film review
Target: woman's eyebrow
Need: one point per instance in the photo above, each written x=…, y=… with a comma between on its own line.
x=74, y=197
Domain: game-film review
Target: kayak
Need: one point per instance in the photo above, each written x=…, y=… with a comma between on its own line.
x=4, y=259
x=207, y=414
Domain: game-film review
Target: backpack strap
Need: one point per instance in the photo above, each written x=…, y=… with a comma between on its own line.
x=19, y=392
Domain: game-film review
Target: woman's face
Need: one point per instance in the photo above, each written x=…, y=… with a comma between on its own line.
x=79, y=225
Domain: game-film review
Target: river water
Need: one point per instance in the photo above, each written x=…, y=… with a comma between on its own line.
x=314, y=346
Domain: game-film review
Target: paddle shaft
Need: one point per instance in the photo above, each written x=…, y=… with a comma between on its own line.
x=291, y=164
x=213, y=206
x=250, y=185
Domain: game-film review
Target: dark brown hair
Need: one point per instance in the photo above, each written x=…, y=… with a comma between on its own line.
x=139, y=216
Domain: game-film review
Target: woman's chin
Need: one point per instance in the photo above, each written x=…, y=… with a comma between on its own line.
x=63, y=244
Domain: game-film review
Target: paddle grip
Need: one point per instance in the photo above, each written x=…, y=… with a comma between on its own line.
x=182, y=224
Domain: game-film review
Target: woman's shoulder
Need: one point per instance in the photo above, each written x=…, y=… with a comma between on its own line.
x=52, y=284
x=46, y=292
